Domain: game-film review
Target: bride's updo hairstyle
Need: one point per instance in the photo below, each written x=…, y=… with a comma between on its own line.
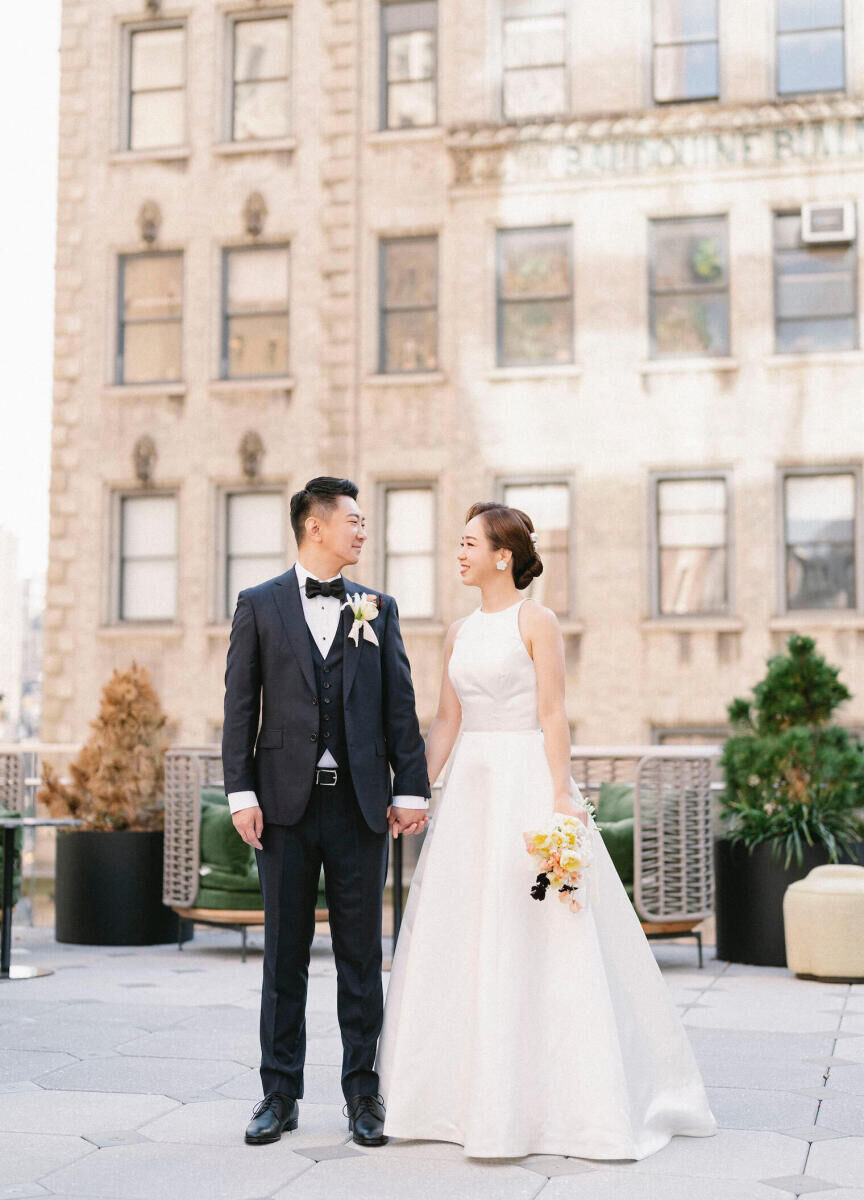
x=510, y=529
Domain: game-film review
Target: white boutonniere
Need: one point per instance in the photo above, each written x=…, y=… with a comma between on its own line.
x=365, y=609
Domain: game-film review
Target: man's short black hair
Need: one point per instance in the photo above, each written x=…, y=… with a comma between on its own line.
x=321, y=492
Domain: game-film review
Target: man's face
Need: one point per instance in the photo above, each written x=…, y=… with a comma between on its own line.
x=341, y=530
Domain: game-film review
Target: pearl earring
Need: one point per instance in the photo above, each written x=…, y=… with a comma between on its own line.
x=501, y=565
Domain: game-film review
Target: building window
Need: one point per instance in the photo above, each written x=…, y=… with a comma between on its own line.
x=689, y=735
x=147, y=584
x=820, y=537
x=810, y=46
x=689, y=287
x=261, y=78
x=409, y=64
x=254, y=542
x=692, y=564
x=156, y=88
x=535, y=297
x=255, y=312
x=547, y=503
x=534, y=44
x=149, y=336
x=409, y=305
x=815, y=290
x=409, y=569
x=686, y=51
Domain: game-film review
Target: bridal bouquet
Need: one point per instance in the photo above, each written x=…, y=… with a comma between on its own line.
x=562, y=850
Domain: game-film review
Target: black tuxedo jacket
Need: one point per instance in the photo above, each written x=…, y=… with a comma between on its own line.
x=269, y=675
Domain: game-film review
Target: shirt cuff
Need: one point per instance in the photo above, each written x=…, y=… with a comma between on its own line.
x=237, y=801
x=410, y=802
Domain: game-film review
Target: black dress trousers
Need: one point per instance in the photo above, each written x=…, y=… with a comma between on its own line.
x=332, y=832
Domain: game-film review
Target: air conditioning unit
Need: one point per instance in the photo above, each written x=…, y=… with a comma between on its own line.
x=831, y=221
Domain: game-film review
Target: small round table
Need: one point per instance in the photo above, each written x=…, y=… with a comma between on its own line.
x=9, y=826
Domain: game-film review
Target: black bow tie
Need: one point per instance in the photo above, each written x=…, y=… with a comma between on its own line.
x=336, y=587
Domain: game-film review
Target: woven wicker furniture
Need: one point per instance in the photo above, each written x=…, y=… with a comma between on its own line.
x=673, y=828
x=188, y=771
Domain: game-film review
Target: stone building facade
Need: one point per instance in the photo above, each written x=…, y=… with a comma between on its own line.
x=601, y=262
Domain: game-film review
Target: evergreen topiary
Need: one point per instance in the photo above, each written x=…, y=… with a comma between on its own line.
x=791, y=778
x=118, y=777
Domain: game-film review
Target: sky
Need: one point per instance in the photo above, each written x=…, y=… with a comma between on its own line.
x=29, y=88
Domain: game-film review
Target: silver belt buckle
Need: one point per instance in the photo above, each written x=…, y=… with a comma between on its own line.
x=331, y=771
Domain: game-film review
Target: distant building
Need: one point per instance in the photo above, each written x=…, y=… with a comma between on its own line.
x=10, y=637
x=600, y=261
x=33, y=611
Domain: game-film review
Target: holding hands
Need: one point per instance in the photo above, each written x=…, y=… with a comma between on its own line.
x=406, y=820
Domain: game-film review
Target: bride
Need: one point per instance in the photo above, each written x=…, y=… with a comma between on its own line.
x=514, y=1027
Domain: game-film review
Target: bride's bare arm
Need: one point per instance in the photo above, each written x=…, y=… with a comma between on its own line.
x=546, y=646
x=445, y=728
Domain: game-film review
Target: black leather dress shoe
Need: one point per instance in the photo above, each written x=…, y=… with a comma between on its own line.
x=276, y=1113
x=366, y=1120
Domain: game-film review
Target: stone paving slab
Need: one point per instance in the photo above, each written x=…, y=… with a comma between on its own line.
x=369, y=1178
x=742, y=1108
x=80, y=1113
x=148, y=1170
x=612, y=1185
x=24, y=1160
x=841, y=1161
x=166, y=1077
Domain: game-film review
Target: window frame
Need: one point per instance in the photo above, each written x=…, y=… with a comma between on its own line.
x=118, y=498
x=384, y=488
x=775, y=278
x=225, y=317
x=233, y=20
x=385, y=240
x=124, y=141
x=655, y=44
x=222, y=607
x=383, y=80
x=683, y=476
x=559, y=479
x=696, y=290
x=500, y=301
x=719, y=733
x=510, y=10
x=788, y=472
x=778, y=34
x=120, y=329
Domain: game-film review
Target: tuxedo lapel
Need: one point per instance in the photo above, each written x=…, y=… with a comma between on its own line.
x=350, y=652
x=286, y=595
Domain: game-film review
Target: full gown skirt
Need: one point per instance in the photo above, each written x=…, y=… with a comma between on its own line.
x=512, y=1026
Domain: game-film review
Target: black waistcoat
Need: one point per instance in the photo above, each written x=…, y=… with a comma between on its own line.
x=328, y=677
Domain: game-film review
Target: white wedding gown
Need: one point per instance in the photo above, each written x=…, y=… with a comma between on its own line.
x=513, y=1026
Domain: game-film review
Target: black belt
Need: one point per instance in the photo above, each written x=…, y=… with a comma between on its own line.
x=331, y=776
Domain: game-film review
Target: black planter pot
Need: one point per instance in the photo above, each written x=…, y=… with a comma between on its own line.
x=108, y=890
x=748, y=900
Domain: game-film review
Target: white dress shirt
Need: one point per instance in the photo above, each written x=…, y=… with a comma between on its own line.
x=322, y=615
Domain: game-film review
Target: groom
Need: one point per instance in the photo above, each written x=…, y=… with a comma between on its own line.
x=312, y=787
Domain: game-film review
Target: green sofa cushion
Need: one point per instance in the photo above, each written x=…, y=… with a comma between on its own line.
x=614, y=801
x=230, y=878
x=221, y=846
x=618, y=840
x=214, y=796
x=216, y=898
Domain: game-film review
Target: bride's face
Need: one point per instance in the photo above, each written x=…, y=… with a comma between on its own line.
x=476, y=556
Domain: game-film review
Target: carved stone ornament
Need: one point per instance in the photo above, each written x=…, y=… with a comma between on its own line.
x=251, y=455
x=149, y=221
x=154, y=7
x=144, y=457
x=255, y=214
